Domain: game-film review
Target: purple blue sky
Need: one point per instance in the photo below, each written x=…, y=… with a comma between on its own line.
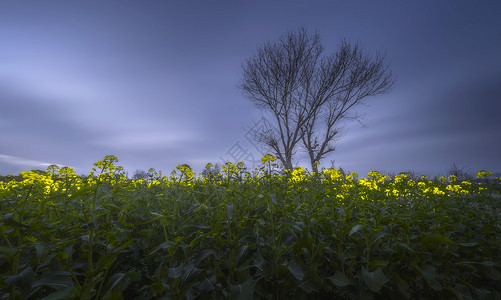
x=155, y=82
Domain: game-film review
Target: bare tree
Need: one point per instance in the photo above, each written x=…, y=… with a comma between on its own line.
x=211, y=171
x=309, y=95
x=344, y=80
x=275, y=80
x=139, y=174
x=461, y=173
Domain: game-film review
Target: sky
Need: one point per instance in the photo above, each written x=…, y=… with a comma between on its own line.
x=155, y=82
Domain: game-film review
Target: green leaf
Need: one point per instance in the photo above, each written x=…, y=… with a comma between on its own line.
x=405, y=246
x=378, y=263
x=190, y=272
x=201, y=290
x=59, y=295
x=111, y=206
x=106, y=260
x=243, y=291
x=47, y=260
x=482, y=263
x=374, y=280
x=296, y=225
x=229, y=210
x=164, y=246
x=8, y=219
x=355, y=229
x=311, y=285
x=273, y=198
x=154, y=219
x=203, y=255
x=78, y=193
x=115, y=280
x=175, y=272
x=428, y=272
x=207, y=285
x=436, y=239
x=116, y=284
x=134, y=276
x=190, y=227
x=456, y=293
x=263, y=266
x=402, y=284
x=466, y=265
x=288, y=238
x=379, y=236
x=296, y=270
x=22, y=280
x=258, y=211
x=341, y=211
x=490, y=272
x=58, y=280
x=241, y=253
x=157, y=288
x=339, y=279
x=125, y=245
x=7, y=251
x=40, y=250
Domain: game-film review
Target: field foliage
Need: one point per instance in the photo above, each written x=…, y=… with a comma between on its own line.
x=248, y=235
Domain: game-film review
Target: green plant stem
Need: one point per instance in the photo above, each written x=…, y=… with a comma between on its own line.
x=165, y=233
x=89, y=255
x=101, y=284
x=8, y=242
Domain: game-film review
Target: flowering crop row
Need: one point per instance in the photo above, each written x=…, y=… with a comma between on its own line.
x=243, y=235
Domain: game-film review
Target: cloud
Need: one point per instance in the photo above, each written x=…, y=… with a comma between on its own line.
x=26, y=163
x=147, y=140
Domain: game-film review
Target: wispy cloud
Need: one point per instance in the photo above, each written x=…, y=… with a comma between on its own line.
x=26, y=163
x=138, y=140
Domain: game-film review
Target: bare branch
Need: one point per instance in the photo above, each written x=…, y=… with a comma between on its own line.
x=310, y=95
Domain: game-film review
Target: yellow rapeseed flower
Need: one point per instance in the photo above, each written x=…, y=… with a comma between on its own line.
x=268, y=158
x=484, y=174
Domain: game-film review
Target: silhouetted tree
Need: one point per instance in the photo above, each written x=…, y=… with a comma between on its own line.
x=139, y=174
x=307, y=94
x=211, y=171
x=461, y=173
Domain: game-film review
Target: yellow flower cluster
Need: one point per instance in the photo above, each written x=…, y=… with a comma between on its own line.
x=186, y=172
x=33, y=178
x=334, y=175
x=334, y=183
x=297, y=175
x=268, y=158
x=484, y=174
